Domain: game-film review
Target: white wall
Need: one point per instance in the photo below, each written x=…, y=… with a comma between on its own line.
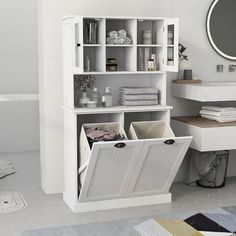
x=203, y=60
x=19, y=122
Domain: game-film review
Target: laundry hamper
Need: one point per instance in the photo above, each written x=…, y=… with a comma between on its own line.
x=215, y=178
x=150, y=130
x=85, y=149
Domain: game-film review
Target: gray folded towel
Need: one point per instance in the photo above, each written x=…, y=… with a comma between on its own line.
x=138, y=90
x=139, y=103
x=138, y=97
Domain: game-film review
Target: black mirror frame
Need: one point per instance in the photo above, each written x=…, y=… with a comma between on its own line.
x=211, y=8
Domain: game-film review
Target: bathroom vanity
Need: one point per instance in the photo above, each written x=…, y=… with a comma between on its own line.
x=207, y=135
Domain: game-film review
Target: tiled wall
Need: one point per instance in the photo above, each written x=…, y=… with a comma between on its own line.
x=19, y=121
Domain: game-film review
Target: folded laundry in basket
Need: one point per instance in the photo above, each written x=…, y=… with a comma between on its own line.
x=102, y=135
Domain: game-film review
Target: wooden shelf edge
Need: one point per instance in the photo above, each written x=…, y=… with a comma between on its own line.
x=202, y=122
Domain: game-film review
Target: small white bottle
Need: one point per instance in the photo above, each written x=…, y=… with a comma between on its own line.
x=87, y=64
x=108, y=97
x=96, y=96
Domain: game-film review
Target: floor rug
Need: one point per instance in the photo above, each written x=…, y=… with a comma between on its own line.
x=6, y=168
x=11, y=201
x=147, y=226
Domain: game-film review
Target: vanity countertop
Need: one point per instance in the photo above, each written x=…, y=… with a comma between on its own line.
x=206, y=91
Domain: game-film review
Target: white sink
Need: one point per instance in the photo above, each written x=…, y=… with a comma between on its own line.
x=206, y=92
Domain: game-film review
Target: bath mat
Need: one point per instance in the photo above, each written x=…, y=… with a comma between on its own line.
x=228, y=221
x=6, y=168
x=231, y=210
x=178, y=227
x=151, y=227
x=11, y=201
x=202, y=223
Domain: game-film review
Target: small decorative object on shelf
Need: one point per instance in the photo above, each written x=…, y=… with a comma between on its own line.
x=95, y=96
x=84, y=100
x=182, y=57
x=151, y=64
x=111, y=64
x=147, y=37
x=84, y=83
x=188, y=74
x=107, y=97
x=87, y=64
x=118, y=38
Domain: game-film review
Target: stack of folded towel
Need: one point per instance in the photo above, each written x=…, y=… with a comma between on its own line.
x=138, y=96
x=118, y=37
x=220, y=114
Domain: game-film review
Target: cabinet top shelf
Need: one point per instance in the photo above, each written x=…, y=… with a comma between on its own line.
x=118, y=109
x=113, y=18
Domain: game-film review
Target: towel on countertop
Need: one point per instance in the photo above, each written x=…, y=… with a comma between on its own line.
x=220, y=119
x=217, y=113
x=218, y=109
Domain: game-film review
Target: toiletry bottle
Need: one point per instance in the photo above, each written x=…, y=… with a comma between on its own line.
x=87, y=64
x=96, y=96
x=108, y=97
x=103, y=101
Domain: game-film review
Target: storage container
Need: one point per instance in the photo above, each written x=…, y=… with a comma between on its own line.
x=150, y=130
x=144, y=165
x=217, y=175
x=85, y=149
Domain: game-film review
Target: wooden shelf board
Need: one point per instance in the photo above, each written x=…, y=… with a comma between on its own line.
x=202, y=122
x=118, y=109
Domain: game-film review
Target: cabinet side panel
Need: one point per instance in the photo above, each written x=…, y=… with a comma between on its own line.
x=68, y=81
x=70, y=142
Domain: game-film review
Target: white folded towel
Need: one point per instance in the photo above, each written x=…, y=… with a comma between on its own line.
x=217, y=113
x=219, y=109
x=220, y=119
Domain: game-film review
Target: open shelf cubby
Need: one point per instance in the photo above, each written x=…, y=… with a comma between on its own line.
x=119, y=24
x=156, y=28
x=143, y=55
x=93, y=30
x=95, y=55
x=124, y=56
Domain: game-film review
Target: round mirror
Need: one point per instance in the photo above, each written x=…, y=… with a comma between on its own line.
x=221, y=27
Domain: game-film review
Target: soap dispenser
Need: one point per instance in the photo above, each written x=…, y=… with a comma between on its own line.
x=108, y=97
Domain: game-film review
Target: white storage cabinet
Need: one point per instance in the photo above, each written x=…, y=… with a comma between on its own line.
x=118, y=174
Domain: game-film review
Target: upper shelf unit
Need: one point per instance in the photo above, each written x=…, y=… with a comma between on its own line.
x=129, y=44
x=206, y=92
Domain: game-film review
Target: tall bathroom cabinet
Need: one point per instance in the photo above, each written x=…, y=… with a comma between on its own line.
x=140, y=174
